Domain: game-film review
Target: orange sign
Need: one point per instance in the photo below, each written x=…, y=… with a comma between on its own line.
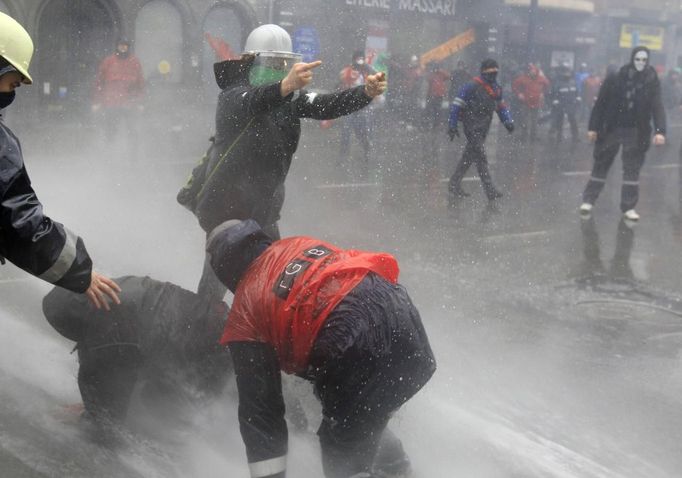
x=449, y=48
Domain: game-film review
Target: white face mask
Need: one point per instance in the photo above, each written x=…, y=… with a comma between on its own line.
x=641, y=59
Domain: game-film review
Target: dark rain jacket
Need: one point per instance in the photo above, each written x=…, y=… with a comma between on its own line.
x=564, y=94
x=475, y=105
x=28, y=238
x=257, y=133
x=648, y=106
x=165, y=326
x=303, y=300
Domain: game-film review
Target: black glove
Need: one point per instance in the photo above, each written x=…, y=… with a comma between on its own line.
x=510, y=127
x=452, y=132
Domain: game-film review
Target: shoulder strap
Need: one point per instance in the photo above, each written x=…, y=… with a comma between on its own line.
x=223, y=156
x=486, y=86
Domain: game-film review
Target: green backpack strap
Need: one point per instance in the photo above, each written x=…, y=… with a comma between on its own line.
x=223, y=157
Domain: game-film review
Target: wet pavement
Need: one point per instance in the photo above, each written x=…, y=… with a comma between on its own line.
x=558, y=339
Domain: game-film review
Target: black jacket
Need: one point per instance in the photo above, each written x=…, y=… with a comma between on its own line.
x=171, y=329
x=648, y=105
x=257, y=133
x=28, y=238
x=564, y=93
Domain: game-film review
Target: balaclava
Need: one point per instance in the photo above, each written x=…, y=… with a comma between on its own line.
x=123, y=54
x=7, y=97
x=489, y=64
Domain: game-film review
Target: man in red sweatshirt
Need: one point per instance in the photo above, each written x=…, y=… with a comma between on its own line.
x=335, y=317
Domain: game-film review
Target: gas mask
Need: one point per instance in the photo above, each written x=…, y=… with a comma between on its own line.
x=489, y=76
x=271, y=67
x=640, y=60
x=6, y=99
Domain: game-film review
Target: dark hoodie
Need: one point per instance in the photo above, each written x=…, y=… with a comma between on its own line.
x=630, y=99
x=257, y=133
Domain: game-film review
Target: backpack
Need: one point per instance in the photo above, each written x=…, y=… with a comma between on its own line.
x=188, y=194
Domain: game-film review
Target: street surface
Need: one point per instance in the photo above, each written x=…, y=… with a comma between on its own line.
x=558, y=339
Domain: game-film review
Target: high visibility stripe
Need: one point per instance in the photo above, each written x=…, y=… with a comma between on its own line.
x=460, y=102
x=269, y=467
x=65, y=260
x=597, y=180
x=631, y=183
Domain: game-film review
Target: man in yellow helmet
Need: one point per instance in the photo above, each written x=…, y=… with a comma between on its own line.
x=28, y=238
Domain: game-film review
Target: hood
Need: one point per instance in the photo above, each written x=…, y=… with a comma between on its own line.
x=233, y=72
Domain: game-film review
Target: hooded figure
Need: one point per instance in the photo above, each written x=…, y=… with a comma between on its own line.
x=474, y=107
x=627, y=104
x=258, y=126
x=335, y=317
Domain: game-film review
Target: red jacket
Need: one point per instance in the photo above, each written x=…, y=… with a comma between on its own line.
x=287, y=293
x=438, y=84
x=120, y=82
x=532, y=88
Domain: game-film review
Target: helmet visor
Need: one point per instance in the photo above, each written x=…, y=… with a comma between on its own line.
x=271, y=67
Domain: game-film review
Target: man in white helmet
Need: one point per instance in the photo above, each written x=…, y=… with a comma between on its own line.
x=257, y=132
x=28, y=238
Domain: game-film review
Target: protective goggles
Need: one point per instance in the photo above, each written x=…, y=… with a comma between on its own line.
x=271, y=67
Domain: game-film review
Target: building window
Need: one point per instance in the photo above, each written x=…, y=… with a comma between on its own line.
x=159, y=41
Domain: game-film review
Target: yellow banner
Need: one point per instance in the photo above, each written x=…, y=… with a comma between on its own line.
x=449, y=48
x=641, y=35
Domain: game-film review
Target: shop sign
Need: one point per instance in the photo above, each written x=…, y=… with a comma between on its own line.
x=441, y=8
x=449, y=48
x=306, y=41
x=650, y=36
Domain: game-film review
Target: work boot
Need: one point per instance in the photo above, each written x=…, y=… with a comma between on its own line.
x=585, y=209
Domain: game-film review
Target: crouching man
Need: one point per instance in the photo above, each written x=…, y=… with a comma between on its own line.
x=335, y=317
x=161, y=335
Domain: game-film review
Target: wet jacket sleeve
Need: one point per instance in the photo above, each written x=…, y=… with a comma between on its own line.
x=333, y=105
x=31, y=240
x=459, y=103
x=658, y=110
x=598, y=115
x=254, y=101
x=261, y=408
x=503, y=110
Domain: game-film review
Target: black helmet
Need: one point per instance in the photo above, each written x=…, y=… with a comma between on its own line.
x=232, y=246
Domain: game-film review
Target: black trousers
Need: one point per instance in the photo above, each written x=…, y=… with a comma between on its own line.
x=605, y=152
x=371, y=357
x=474, y=153
x=358, y=124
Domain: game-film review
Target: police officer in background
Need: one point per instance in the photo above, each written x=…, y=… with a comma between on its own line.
x=335, y=317
x=28, y=238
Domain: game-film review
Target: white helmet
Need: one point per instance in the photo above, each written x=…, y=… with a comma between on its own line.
x=268, y=38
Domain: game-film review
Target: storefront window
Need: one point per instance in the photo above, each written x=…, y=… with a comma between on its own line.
x=159, y=41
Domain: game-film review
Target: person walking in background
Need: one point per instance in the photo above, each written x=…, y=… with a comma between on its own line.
x=29, y=239
x=627, y=104
x=530, y=89
x=566, y=101
x=591, y=87
x=119, y=90
x=436, y=94
x=474, y=107
x=357, y=123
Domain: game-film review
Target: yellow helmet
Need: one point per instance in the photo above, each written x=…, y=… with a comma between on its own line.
x=16, y=45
